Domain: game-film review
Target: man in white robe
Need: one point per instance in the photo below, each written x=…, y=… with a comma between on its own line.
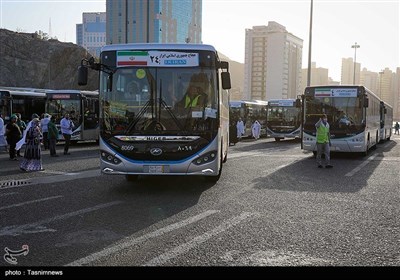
x=256, y=130
x=240, y=128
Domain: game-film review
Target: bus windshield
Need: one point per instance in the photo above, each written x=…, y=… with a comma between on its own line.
x=345, y=114
x=159, y=101
x=283, y=116
x=59, y=107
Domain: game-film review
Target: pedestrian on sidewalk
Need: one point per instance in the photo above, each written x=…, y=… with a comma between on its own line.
x=52, y=135
x=32, y=157
x=66, y=129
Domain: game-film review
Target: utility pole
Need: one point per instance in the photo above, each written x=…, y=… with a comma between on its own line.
x=309, y=46
x=355, y=47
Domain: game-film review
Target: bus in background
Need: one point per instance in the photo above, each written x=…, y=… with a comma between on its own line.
x=26, y=101
x=353, y=115
x=386, y=118
x=249, y=111
x=149, y=123
x=83, y=108
x=284, y=118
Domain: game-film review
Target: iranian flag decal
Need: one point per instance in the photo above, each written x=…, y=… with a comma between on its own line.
x=132, y=58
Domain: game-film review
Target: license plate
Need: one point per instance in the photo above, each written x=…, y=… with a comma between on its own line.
x=156, y=169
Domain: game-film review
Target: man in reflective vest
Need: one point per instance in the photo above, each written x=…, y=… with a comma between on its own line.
x=323, y=141
x=193, y=98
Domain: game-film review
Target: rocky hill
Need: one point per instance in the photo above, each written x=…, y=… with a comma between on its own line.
x=28, y=61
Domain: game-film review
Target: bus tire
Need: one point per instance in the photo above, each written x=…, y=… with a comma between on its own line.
x=277, y=139
x=131, y=178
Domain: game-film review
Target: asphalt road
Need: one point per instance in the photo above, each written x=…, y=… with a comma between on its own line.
x=271, y=207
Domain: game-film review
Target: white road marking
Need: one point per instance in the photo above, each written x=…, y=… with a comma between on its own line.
x=5, y=194
x=38, y=226
x=184, y=248
x=131, y=241
x=358, y=168
x=29, y=202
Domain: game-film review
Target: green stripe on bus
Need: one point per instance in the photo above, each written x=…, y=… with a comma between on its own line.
x=130, y=53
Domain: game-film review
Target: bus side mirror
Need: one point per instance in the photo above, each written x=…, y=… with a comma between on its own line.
x=82, y=75
x=226, y=80
x=366, y=102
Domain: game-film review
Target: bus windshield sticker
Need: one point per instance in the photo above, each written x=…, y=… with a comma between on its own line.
x=157, y=58
x=283, y=103
x=140, y=74
x=197, y=114
x=336, y=92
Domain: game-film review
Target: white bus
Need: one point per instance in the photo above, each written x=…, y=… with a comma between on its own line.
x=26, y=101
x=386, y=125
x=284, y=118
x=148, y=125
x=353, y=115
x=83, y=108
x=249, y=111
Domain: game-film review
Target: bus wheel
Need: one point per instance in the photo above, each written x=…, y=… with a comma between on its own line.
x=277, y=139
x=131, y=178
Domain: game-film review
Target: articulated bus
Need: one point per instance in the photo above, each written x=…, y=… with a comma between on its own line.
x=83, y=108
x=249, y=111
x=386, y=125
x=25, y=101
x=353, y=115
x=284, y=118
x=149, y=125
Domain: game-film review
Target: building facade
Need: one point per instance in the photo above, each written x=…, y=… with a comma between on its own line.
x=91, y=33
x=153, y=21
x=347, y=73
x=273, y=59
x=319, y=76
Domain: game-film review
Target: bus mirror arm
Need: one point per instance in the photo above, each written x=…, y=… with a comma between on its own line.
x=90, y=63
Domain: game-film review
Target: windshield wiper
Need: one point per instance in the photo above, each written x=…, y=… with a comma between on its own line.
x=139, y=116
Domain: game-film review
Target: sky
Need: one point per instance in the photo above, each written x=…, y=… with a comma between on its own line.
x=337, y=25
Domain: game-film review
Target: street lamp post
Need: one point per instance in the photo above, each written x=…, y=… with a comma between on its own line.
x=309, y=46
x=355, y=47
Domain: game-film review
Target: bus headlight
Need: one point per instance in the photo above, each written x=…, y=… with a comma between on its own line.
x=206, y=158
x=109, y=158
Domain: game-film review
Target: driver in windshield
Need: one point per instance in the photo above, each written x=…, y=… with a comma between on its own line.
x=194, y=97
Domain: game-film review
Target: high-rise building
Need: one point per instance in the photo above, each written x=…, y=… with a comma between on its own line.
x=386, y=86
x=153, y=21
x=347, y=75
x=273, y=58
x=396, y=92
x=370, y=80
x=319, y=76
x=91, y=33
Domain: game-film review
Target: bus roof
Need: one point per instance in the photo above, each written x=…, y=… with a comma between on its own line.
x=158, y=46
x=71, y=91
x=238, y=103
x=23, y=93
